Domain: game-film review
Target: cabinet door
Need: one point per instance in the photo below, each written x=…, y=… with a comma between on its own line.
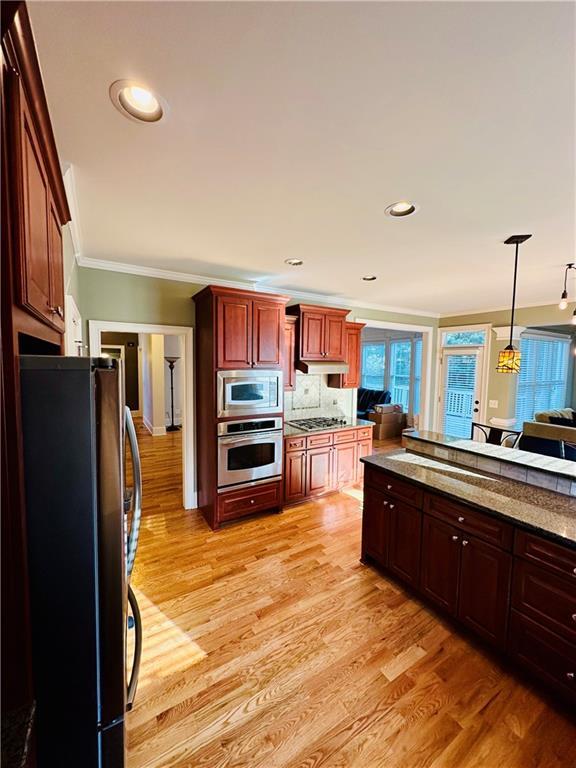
x=375, y=526
x=267, y=334
x=294, y=476
x=353, y=350
x=312, y=335
x=440, y=563
x=289, y=359
x=404, y=541
x=234, y=332
x=345, y=461
x=318, y=470
x=334, y=337
x=56, y=269
x=485, y=573
x=364, y=449
x=34, y=272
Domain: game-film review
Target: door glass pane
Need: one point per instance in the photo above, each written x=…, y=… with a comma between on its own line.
x=462, y=338
x=373, y=361
x=417, y=375
x=251, y=456
x=459, y=393
x=252, y=392
x=400, y=351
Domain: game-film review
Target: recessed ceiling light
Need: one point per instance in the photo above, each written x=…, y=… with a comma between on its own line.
x=136, y=102
x=294, y=262
x=369, y=278
x=401, y=208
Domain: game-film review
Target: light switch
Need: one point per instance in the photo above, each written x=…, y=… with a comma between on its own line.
x=493, y=403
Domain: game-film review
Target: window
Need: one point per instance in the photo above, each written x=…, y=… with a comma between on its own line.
x=373, y=365
x=463, y=338
x=400, y=352
x=417, y=375
x=543, y=375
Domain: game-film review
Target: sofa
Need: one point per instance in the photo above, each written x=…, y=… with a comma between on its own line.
x=368, y=398
x=545, y=437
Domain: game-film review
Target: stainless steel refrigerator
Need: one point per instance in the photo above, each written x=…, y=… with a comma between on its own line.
x=82, y=531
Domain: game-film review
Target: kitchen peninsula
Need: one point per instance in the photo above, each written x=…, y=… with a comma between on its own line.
x=495, y=554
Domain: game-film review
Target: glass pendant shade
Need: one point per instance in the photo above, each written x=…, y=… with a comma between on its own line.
x=509, y=360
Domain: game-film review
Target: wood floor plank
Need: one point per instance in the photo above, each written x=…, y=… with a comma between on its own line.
x=268, y=645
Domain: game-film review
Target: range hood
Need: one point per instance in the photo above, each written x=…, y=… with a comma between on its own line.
x=321, y=366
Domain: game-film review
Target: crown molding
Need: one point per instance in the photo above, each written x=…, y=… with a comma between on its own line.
x=249, y=285
x=469, y=313
x=74, y=223
x=503, y=332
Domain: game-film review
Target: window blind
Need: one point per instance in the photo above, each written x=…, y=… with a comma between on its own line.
x=543, y=376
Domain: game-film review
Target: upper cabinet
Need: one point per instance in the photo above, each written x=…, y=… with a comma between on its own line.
x=350, y=380
x=289, y=360
x=322, y=332
x=248, y=327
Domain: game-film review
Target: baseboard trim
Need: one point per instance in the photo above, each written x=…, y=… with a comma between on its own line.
x=154, y=431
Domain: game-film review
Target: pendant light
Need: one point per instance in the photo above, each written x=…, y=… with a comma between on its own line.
x=564, y=298
x=509, y=357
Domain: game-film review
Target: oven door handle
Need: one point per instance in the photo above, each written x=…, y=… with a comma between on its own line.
x=254, y=438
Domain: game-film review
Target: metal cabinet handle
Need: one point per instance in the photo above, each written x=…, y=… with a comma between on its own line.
x=460, y=519
x=57, y=311
x=455, y=538
x=464, y=542
x=392, y=506
x=389, y=487
x=570, y=675
x=132, y=543
x=385, y=503
x=251, y=501
x=574, y=571
x=574, y=617
x=133, y=682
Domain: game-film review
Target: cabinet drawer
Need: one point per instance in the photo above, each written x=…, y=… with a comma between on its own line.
x=545, y=597
x=392, y=485
x=345, y=436
x=553, y=556
x=319, y=441
x=294, y=443
x=543, y=652
x=247, y=500
x=485, y=527
x=365, y=433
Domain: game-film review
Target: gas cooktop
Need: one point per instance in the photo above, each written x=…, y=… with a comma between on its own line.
x=321, y=422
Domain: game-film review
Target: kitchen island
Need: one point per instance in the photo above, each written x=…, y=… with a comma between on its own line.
x=495, y=554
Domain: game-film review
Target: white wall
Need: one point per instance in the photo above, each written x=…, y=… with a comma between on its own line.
x=173, y=348
x=153, y=364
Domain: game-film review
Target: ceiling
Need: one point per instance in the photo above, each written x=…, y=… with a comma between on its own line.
x=292, y=126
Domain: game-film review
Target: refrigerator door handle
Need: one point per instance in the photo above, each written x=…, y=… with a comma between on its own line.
x=133, y=682
x=137, y=495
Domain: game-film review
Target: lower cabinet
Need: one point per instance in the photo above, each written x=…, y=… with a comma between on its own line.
x=440, y=563
x=318, y=470
x=344, y=463
x=405, y=523
x=375, y=526
x=245, y=501
x=294, y=476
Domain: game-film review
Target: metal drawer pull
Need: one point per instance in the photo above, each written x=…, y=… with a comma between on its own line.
x=390, y=488
x=570, y=675
x=574, y=571
x=385, y=503
x=391, y=506
x=455, y=538
x=251, y=501
x=464, y=542
x=574, y=617
x=460, y=519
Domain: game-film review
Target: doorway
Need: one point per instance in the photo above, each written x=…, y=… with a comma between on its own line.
x=460, y=391
x=177, y=337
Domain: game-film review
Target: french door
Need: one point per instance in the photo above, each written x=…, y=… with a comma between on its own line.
x=461, y=385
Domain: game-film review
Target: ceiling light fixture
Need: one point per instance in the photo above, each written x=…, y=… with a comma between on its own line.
x=369, y=278
x=136, y=102
x=564, y=298
x=294, y=262
x=509, y=358
x=401, y=208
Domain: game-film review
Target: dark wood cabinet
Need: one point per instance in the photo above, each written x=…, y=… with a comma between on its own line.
x=375, y=526
x=289, y=359
x=321, y=332
x=353, y=356
x=345, y=463
x=545, y=597
x=249, y=330
x=405, y=534
x=484, y=594
x=319, y=471
x=295, y=476
x=441, y=544
x=56, y=260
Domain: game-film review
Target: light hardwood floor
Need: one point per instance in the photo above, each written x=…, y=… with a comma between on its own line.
x=268, y=645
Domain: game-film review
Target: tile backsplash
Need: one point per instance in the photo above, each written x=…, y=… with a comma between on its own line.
x=313, y=397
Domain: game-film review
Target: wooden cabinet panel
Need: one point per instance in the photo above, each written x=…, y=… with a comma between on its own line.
x=545, y=597
x=375, y=526
x=364, y=449
x=482, y=525
x=544, y=653
x=353, y=351
x=402, y=489
x=440, y=566
x=334, y=337
x=295, y=443
x=312, y=326
x=561, y=560
x=317, y=441
x=294, y=476
x=484, y=589
x=318, y=471
x=245, y=501
x=267, y=333
x=56, y=307
x=234, y=332
x=345, y=461
x=405, y=534
x=345, y=436
x=289, y=359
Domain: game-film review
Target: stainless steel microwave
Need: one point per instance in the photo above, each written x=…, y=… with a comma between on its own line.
x=249, y=393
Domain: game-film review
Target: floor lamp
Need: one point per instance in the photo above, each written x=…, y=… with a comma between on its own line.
x=171, y=363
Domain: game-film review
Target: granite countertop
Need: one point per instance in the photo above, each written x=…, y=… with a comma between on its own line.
x=548, y=513
x=291, y=431
x=560, y=467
